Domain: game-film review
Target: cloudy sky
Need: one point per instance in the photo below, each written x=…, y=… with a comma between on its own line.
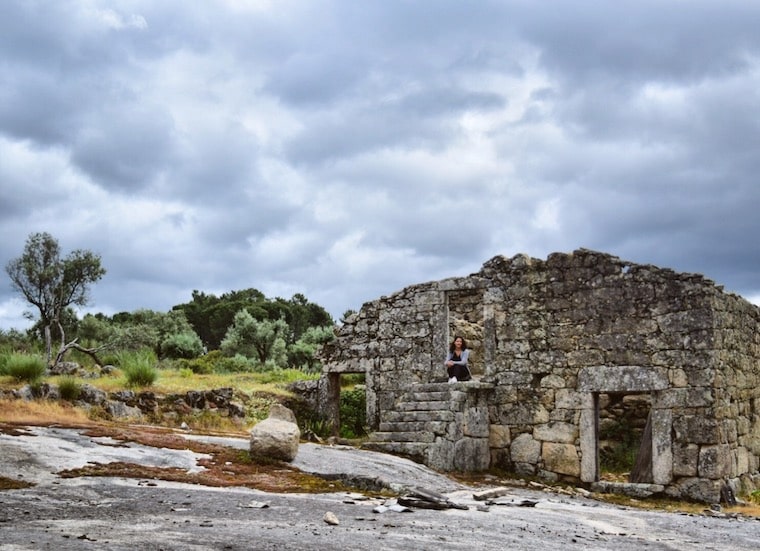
x=345, y=149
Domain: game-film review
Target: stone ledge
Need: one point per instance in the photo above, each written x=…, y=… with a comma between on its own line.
x=629, y=489
x=402, y=426
x=472, y=384
x=395, y=436
x=412, y=449
x=430, y=415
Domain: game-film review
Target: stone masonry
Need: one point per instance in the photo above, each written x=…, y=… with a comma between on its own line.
x=548, y=339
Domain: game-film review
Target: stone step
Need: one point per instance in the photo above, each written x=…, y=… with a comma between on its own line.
x=416, y=436
x=412, y=416
x=436, y=427
x=413, y=450
x=422, y=406
x=427, y=396
x=402, y=426
x=432, y=387
x=450, y=396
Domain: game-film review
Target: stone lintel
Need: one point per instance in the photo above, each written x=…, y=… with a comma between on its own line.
x=622, y=378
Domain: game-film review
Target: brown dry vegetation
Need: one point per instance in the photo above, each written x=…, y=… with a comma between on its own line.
x=225, y=467
x=231, y=467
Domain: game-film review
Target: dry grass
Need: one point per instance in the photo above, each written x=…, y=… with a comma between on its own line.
x=226, y=466
x=174, y=381
x=41, y=412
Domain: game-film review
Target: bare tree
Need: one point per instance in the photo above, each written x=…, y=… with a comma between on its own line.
x=51, y=283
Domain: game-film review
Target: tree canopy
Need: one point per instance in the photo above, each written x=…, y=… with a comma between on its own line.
x=247, y=324
x=51, y=283
x=211, y=316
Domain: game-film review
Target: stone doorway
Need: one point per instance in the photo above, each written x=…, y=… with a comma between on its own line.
x=594, y=383
x=624, y=440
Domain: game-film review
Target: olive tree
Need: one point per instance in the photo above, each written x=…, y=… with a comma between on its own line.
x=261, y=340
x=51, y=283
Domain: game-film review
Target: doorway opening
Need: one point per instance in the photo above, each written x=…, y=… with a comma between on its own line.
x=352, y=407
x=344, y=405
x=624, y=437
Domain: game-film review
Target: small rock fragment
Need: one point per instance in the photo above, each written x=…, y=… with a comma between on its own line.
x=331, y=519
x=490, y=494
x=254, y=505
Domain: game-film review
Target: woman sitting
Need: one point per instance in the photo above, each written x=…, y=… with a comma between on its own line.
x=456, y=361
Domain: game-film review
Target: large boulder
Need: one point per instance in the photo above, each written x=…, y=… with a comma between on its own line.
x=277, y=436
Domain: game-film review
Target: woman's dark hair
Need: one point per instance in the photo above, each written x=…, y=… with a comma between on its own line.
x=464, y=343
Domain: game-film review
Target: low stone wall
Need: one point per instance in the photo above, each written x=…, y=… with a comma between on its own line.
x=139, y=405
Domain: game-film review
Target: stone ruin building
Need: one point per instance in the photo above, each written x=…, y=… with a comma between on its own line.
x=560, y=349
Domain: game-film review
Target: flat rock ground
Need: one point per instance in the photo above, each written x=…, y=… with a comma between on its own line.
x=127, y=513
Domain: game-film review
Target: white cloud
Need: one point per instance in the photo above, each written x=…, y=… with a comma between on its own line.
x=347, y=151
x=12, y=315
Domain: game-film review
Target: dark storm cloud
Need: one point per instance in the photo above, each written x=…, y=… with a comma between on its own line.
x=344, y=150
x=125, y=148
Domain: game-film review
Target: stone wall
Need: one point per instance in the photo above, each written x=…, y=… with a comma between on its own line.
x=553, y=336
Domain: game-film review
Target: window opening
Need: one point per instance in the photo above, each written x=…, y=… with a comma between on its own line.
x=465, y=318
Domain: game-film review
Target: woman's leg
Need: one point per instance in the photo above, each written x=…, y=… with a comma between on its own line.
x=462, y=373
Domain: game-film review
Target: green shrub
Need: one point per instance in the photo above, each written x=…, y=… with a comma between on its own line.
x=203, y=365
x=23, y=367
x=316, y=426
x=235, y=364
x=302, y=354
x=353, y=413
x=139, y=367
x=623, y=440
x=15, y=341
x=350, y=380
x=186, y=373
x=69, y=388
x=182, y=345
x=109, y=358
x=141, y=374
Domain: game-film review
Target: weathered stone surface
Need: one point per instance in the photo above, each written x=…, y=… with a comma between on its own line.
x=640, y=491
x=278, y=411
x=121, y=410
x=556, y=432
x=561, y=458
x=471, y=454
x=621, y=378
x=714, y=461
x=498, y=436
x=275, y=438
x=65, y=368
x=685, y=460
x=525, y=449
x=475, y=422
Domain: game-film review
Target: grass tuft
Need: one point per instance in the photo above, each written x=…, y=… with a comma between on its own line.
x=24, y=367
